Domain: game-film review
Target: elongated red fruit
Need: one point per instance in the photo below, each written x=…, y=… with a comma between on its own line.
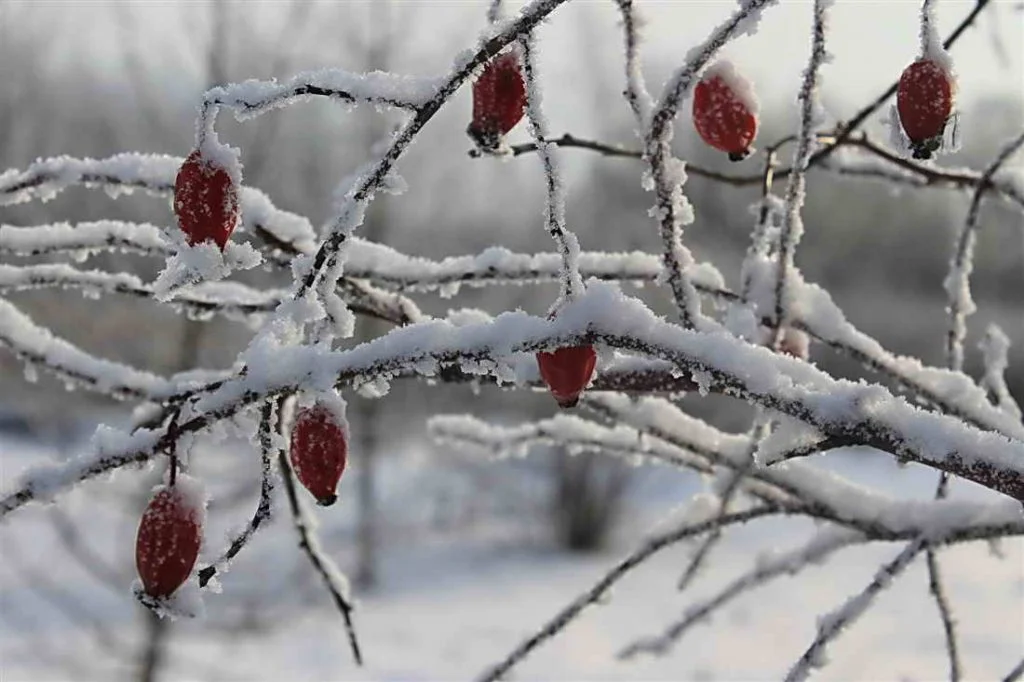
x=924, y=100
x=205, y=201
x=168, y=540
x=499, y=100
x=567, y=371
x=725, y=111
x=319, y=450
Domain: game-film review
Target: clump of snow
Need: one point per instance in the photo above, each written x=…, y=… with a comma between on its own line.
x=742, y=88
x=192, y=264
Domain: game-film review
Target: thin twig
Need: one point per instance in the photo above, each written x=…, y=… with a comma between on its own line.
x=264, y=508
x=652, y=546
x=832, y=625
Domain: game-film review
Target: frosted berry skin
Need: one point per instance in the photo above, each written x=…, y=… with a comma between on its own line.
x=205, y=201
x=722, y=119
x=924, y=100
x=499, y=101
x=319, y=451
x=567, y=371
x=167, y=543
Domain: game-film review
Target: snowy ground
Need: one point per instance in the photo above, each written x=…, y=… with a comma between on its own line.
x=452, y=602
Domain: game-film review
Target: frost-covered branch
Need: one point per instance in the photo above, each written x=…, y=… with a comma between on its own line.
x=83, y=239
x=792, y=227
x=652, y=546
x=820, y=547
x=958, y=280
x=554, y=211
x=36, y=346
x=636, y=91
x=858, y=119
x=231, y=299
x=832, y=625
x=349, y=217
x=253, y=97
x=667, y=173
x=263, y=508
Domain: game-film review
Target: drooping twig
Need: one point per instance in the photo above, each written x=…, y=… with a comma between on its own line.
x=995, y=347
x=263, y=507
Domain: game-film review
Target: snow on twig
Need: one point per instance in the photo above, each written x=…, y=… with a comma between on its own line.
x=792, y=227
x=347, y=219
x=264, y=508
x=995, y=347
x=554, y=210
x=636, y=93
x=958, y=280
x=667, y=173
x=863, y=414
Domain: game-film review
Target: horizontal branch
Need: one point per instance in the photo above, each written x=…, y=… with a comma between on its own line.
x=254, y=97
x=867, y=414
x=895, y=168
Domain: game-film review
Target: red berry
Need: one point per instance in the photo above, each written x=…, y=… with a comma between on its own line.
x=924, y=100
x=724, y=118
x=319, y=450
x=499, y=100
x=205, y=201
x=168, y=540
x=567, y=372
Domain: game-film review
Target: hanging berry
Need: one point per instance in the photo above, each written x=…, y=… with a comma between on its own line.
x=725, y=111
x=169, y=536
x=499, y=101
x=567, y=371
x=924, y=100
x=205, y=200
x=319, y=450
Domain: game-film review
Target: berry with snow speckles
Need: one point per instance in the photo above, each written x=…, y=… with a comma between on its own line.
x=167, y=542
x=924, y=100
x=567, y=371
x=319, y=451
x=722, y=114
x=205, y=201
x=499, y=101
